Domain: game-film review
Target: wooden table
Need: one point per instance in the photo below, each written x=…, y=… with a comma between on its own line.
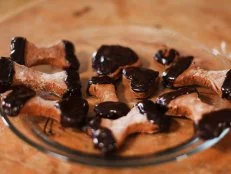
x=208, y=22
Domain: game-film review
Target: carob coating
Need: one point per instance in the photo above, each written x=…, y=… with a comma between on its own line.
x=70, y=54
x=226, y=87
x=110, y=57
x=104, y=140
x=100, y=80
x=111, y=110
x=155, y=114
x=166, y=98
x=6, y=73
x=16, y=99
x=73, y=83
x=166, y=56
x=142, y=79
x=212, y=124
x=73, y=111
x=171, y=74
x=94, y=123
x=17, y=50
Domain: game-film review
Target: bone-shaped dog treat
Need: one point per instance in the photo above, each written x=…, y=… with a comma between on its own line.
x=59, y=83
x=140, y=82
x=70, y=111
x=111, y=59
x=184, y=102
x=61, y=55
x=145, y=117
x=209, y=121
x=184, y=73
x=104, y=88
x=166, y=56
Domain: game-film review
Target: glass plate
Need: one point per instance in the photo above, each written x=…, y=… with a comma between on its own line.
x=142, y=149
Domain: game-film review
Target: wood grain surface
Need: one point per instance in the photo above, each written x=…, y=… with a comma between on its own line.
x=208, y=22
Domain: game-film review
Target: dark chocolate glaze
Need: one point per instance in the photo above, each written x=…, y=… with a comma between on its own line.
x=155, y=114
x=142, y=79
x=100, y=80
x=111, y=110
x=110, y=57
x=17, y=49
x=171, y=74
x=212, y=124
x=6, y=73
x=104, y=140
x=94, y=123
x=73, y=83
x=226, y=87
x=166, y=56
x=13, y=102
x=70, y=54
x=166, y=98
x=73, y=111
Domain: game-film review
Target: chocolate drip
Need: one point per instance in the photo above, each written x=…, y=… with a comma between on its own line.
x=155, y=114
x=17, y=50
x=226, y=87
x=166, y=56
x=171, y=74
x=110, y=57
x=94, y=123
x=111, y=110
x=142, y=79
x=104, y=140
x=15, y=100
x=70, y=54
x=100, y=80
x=166, y=98
x=73, y=83
x=73, y=111
x=6, y=73
x=212, y=124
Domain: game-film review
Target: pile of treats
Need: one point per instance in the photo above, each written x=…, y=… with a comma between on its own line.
x=21, y=88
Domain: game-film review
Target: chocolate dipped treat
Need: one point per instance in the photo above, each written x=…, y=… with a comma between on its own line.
x=70, y=111
x=61, y=54
x=185, y=73
x=166, y=56
x=145, y=117
x=104, y=88
x=60, y=83
x=184, y=102
x=111, y=59
x=140, y=82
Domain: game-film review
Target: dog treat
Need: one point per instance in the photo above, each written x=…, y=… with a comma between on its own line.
x=111, y=59
x=61, y=55
x=209, y=121
x=70, y=111
x=60, y=83
x=212, y=124
x=104, y=88
x=166, y=56
x=185, y=73
x=184, y=102
x=140, y=81
x=145, y=117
